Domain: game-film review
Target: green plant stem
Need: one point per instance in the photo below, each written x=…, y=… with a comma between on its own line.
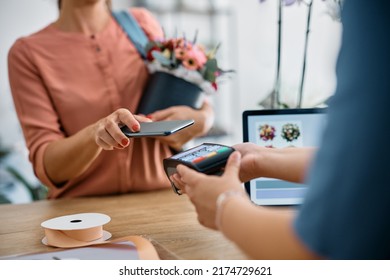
x=37, y=192
x=275, y=96
x=300, y=97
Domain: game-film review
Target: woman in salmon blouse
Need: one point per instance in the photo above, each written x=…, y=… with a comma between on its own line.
x=73, y=82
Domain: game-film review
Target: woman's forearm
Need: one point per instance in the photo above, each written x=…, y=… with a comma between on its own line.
x=67, y=158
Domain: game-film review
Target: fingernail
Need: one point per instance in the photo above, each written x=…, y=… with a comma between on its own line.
x=175, y=176
x=149, y=116
x=125, y=141
x=135, y=127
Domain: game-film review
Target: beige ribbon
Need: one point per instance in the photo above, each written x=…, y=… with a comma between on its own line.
x=65, y=232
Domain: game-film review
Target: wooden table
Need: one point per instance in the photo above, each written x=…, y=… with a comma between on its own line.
x=167, y=220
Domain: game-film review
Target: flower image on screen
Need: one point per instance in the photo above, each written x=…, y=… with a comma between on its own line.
x=267, y=132
x=290, y=132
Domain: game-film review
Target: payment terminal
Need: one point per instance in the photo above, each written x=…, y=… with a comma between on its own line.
x=207, y=158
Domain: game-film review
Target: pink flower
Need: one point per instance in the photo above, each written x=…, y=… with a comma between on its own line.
x=190, y=63
x=194, y=58
x=182, y=58
x=180, y=53
x=200, y=56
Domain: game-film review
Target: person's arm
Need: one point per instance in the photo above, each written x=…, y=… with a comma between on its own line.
x=67, y=158
x=260, y=232
x=57, y=158
x=264, y=233
x=290, y=164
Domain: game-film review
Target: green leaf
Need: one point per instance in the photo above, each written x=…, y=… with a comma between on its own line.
x=208, y=71
x=211, y=65
x=202, y=71
x=283, y=105
x=161, y=58
x=174, y=60
x=37, y=192
x=4, y=200
x=209, y=76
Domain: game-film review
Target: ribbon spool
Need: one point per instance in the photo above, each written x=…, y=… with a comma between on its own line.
x=76, y=230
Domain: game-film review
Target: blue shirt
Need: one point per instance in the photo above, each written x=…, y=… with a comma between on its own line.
x=346, y=213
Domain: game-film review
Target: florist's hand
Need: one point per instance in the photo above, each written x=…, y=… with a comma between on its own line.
x=203, y=118
x=176, y=179
x=251, y=162
x=203, y=190
x=107, y=133
x=289, y=164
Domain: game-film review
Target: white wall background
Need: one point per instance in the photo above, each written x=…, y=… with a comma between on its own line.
x=257, y=26
x=17, y=18
x=249, y=42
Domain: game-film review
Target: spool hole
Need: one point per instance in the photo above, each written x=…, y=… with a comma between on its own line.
x=75, y=221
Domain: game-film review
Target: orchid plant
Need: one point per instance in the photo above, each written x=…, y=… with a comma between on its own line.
x=334, y=11
x=185, y=59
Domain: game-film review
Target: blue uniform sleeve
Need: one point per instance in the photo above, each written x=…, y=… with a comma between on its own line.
x=345, y=214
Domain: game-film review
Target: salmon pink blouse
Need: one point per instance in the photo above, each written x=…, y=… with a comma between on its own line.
x=62, y=82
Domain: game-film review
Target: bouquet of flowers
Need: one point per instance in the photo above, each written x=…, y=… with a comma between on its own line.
x=187, y=60
x=267, y=132
x=181, y=71
x=290, y=132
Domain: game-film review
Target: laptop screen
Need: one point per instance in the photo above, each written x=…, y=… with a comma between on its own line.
x=279, y=129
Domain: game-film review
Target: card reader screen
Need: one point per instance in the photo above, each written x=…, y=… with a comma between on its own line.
x=200, y=153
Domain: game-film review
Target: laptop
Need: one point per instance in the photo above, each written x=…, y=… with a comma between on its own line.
x=279, y=129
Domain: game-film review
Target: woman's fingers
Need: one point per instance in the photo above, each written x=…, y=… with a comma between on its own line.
x=124, y=116
x=104, y=145
x=108, y=134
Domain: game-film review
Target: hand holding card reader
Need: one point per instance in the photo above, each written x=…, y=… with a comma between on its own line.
x=207, y=158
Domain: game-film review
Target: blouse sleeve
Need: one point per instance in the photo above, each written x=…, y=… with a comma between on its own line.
x=36, y=113
x=148, y=23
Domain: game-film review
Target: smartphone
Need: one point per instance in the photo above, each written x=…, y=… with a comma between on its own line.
x=159, y=128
